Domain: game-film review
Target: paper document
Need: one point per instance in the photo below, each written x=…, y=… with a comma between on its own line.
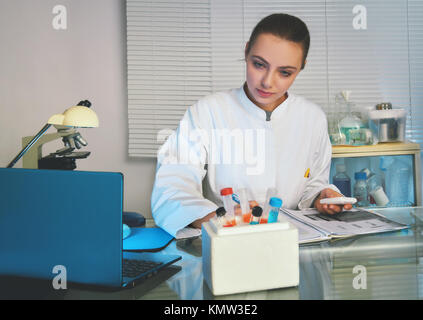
x=306, y=233
x=315, y=226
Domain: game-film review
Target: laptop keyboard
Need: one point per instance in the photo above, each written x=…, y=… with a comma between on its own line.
x=133, y=268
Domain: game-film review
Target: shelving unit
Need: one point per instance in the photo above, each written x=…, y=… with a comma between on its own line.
x=387, y=149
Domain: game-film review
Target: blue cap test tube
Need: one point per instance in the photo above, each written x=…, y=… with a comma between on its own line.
x=275, y=203
x=271, y=192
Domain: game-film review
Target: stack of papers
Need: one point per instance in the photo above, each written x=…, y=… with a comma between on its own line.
x=314, y=226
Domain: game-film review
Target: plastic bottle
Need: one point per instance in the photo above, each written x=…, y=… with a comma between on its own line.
x=399, y=174
x=383, y=166
x=275, y=204
x=374, y=186
x=256, y=215
x=244, y=206
x=341, y=180
x=226, y=194
x=360, y=189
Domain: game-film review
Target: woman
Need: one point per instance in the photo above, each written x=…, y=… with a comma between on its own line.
x=256, y=137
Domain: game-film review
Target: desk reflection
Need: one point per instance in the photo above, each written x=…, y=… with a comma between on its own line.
x=389, y=267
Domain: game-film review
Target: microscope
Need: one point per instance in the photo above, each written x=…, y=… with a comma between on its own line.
x=64, y=158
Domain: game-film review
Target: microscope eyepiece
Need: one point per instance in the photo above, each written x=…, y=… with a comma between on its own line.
x=84, y=103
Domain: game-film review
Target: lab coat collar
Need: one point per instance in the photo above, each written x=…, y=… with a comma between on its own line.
x=257, y=111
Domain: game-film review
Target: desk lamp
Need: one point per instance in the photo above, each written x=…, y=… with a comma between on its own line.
x=77, y=116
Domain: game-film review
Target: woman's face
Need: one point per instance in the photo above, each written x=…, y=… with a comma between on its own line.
x=272, y=66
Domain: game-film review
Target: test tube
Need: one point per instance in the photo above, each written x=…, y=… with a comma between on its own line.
x=220, y=216
x=271, y=192
x=275, y=203
x=245, y=206
x=226, y=194
x=256, y=215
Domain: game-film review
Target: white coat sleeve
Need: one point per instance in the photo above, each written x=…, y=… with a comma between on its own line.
x=319, y=172
x=177, y=199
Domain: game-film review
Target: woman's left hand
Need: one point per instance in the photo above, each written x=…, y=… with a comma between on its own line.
x=330, y=208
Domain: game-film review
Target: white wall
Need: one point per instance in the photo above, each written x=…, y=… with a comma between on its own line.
x=43, y=71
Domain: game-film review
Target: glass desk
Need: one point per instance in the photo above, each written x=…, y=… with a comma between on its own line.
x=380, y=266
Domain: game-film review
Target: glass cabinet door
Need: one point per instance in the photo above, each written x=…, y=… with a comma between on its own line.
x=388, y=180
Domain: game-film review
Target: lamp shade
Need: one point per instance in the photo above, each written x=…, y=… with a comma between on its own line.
x=77, y=116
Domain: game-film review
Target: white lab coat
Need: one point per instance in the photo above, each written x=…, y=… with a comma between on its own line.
x=229, y=135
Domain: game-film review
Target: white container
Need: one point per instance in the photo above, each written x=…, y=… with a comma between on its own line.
x=388, y=125
x=250, y=257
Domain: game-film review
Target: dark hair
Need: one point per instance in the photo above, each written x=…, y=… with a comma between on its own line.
x=284, y=26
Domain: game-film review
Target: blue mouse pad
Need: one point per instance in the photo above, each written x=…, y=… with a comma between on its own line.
x=147, y=239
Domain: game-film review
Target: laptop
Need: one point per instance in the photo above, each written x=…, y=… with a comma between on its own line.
x=54, y=220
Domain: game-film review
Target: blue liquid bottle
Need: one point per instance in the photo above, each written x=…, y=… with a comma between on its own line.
x=341, y=180
x=275, y=204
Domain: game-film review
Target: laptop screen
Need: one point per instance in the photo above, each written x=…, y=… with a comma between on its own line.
x=52, y=218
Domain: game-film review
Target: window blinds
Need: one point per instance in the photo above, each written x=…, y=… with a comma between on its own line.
x=169, y=67
x=415, y=40
x=179, y=51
